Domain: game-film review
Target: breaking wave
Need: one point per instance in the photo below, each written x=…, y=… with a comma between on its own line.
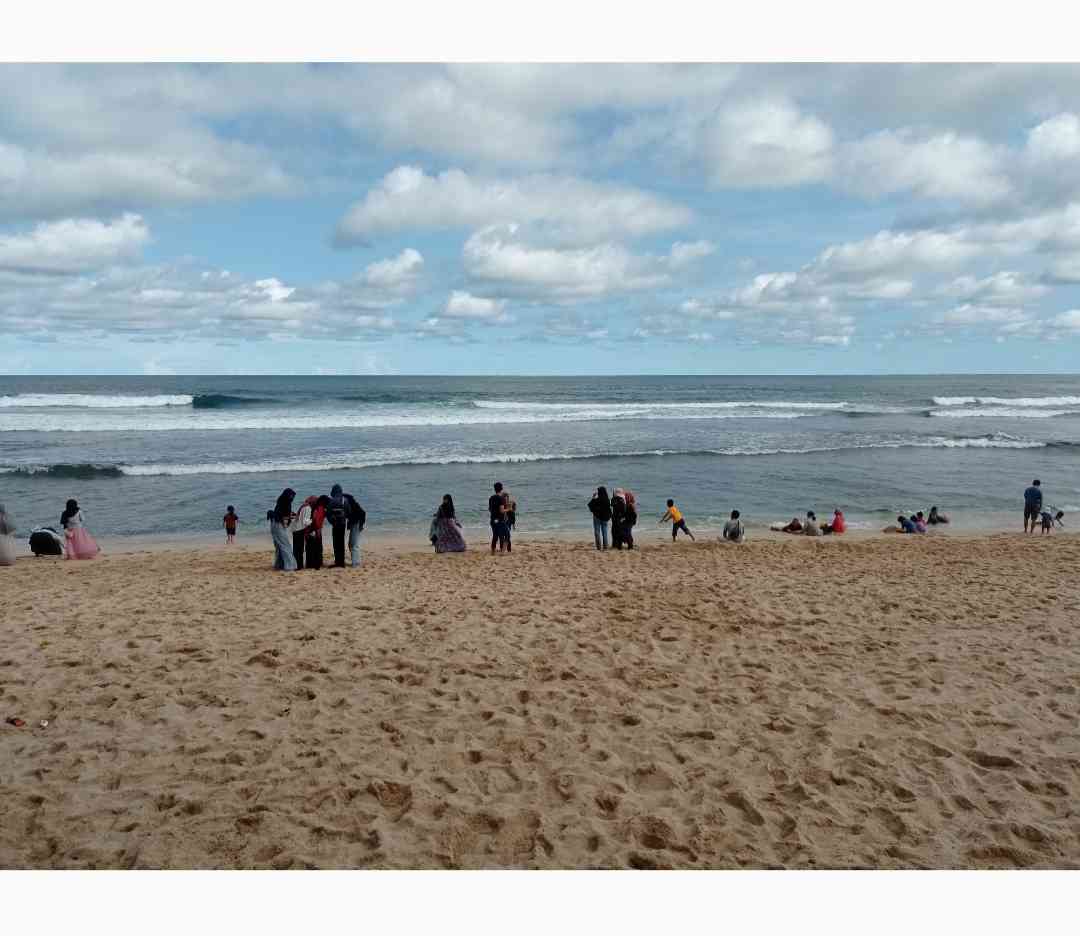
x=92, y=401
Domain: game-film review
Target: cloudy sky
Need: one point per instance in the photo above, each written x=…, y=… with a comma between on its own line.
x=539, y=219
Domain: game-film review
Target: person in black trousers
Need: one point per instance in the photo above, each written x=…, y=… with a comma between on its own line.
x=338, y=514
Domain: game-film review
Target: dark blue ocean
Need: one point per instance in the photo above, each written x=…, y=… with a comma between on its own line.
x=164, y=455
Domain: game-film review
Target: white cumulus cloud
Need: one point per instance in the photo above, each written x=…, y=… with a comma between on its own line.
x=74, y=245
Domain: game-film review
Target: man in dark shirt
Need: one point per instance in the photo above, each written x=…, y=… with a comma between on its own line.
x=1032, y=505
x=500, y=532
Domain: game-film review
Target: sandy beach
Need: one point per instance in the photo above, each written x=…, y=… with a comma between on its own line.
x=881, y=702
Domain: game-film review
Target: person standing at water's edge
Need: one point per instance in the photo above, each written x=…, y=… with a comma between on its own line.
x=229, y=521
x=80, y=544
x=600, y=508
x=1032, y=505
x=500, y=531
x=337, y=514
x=300, y=524
x=357, y=517
x=280, y=518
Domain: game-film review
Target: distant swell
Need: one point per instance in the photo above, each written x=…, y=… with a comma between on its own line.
x=1001, y=412
x=358, y=460
x=83, y=472
x=225, y=401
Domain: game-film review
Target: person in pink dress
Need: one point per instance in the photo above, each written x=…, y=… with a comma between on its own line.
x=79, y=544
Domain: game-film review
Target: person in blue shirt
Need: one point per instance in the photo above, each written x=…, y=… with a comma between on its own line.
x=906, y=526
x=1032, y=506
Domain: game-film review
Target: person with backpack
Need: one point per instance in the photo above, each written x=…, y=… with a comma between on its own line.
x=356, y=517
x=338, y=517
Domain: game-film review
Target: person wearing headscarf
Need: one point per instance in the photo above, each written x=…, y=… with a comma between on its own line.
x=618, y=518
x=7, y=538
x=280, y=518
x=299, y=528
x=313, y=543
x=631, y=518
x=445, y=531
x=600, y=508
x=79, y=544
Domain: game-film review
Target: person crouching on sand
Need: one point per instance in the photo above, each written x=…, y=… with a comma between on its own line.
x=838, y=525
x=677, y=522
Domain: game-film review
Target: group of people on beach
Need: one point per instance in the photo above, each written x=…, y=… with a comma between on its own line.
x=72, y=540
x=297, y=534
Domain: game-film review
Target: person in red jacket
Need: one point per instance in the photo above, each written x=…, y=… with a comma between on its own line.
x=838, y=525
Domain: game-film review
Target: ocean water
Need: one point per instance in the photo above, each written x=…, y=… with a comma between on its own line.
x=164, y=455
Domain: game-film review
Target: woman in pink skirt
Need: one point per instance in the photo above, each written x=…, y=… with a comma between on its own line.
x=80, y=544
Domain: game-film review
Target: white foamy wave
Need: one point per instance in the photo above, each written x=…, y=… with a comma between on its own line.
x=1008, y=401
x=390, y=457
x=92, y=401
x=645, y=407
x=1002, y=412
x=182, y=419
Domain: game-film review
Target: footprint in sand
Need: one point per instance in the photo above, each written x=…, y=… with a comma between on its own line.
x=740, y=801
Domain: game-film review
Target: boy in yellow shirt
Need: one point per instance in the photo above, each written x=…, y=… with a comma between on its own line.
x=677, y=522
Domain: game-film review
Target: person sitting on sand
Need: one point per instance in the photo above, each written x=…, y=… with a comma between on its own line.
x=734, y=531
x=810, y=526
x=445, y=532
x=914, y=521
x=838, y=525
x=903, y=525
x=920, y=522
x=677, y=522
x=794, y=527
x=935, y=517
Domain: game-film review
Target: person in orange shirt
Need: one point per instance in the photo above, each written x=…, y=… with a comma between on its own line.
x=677, y=522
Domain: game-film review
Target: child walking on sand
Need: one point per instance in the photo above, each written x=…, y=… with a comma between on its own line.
x=677, y=522
x=229, y=522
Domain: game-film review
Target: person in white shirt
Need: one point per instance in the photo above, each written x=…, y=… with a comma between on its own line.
x=734, y=531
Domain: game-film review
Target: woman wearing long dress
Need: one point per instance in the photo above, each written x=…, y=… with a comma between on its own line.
x=313, y=543
x=79, y=544
x=445, y=529
x=7, y=538
x=280, y=518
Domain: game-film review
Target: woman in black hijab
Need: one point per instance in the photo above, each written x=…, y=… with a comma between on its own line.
x=280, y=518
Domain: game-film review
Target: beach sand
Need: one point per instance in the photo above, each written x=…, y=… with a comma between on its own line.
x=888, y=702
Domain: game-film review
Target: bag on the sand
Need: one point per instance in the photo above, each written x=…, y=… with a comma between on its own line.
x=45, y=541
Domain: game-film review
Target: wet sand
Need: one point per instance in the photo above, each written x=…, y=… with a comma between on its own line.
x=879, y=702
